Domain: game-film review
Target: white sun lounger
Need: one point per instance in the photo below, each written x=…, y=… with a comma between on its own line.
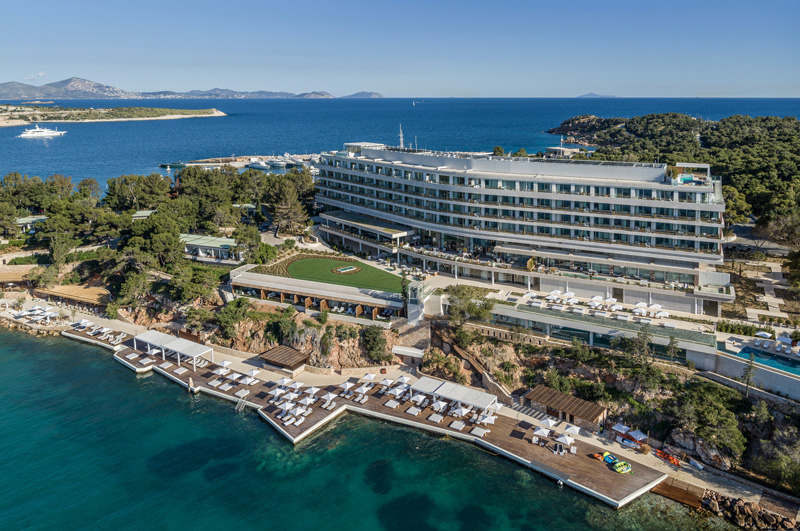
x=215, y=383
x=457, y=425
x=226, y=387
x=757, y=343
x=289, y=422
x=300, y=420
x=180, y=370
x=165, y=365
x=413, y=411
x=437, y=418
x=241, y=393
x=131, y=356
x=392, y=404
x=480, y=432
x=146, y=361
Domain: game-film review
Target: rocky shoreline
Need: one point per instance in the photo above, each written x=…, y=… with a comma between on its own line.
x=5, y=322
x=745, y=514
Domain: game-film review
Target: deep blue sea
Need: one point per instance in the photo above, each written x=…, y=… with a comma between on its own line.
x=264, y=127
x=86, y=444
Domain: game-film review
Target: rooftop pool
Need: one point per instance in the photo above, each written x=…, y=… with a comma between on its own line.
x=770, y=360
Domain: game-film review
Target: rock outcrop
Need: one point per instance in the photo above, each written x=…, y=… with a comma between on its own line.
x=746, y=515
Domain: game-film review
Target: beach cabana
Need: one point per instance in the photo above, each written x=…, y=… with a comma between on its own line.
x=181, y=347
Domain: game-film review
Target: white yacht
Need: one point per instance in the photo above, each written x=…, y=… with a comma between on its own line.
x=41, y=132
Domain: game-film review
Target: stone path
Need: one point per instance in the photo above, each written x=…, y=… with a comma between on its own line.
x=769, y=282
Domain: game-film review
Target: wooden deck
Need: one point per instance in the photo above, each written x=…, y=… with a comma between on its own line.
x=507, y=437
x=681, y=491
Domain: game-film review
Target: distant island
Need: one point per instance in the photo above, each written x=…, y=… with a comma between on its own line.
x=593, y=95
x=76, y=88
x=16, y=115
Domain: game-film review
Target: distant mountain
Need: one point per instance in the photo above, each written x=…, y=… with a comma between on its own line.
x=364, y=94
x=76, y=88
x=593, y=95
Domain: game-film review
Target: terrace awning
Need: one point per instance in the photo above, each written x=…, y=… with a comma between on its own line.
x=182, y=347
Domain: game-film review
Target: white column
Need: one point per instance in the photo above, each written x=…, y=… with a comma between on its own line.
x=529, y=282
x=455, y=270
x=492, y=273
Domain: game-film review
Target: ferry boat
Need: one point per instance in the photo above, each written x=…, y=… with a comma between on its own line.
x=172, y=165
x=41, y=132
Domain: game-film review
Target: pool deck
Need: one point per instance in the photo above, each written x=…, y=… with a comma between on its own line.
x=507, y=437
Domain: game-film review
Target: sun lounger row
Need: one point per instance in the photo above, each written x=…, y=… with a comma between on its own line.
x=329, y=406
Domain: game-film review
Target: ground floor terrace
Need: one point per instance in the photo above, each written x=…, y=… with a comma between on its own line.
x=311, y=296
x=76, y=297
x=279, y=401
x=677, y=289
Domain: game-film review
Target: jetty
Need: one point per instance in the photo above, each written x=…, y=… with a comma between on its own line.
x=507, y=437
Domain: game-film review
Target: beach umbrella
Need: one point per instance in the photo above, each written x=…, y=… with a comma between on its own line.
x=593, y=304
x=37, y=308
x=439, y=405
x=785, y=339
x=295, y=386
x=276, y=392
x=531, y=294
x=655, y=306
x=346, y=385
x=307, y=401
x=396, y=391
x=403, y=380
x=253, y=373
x=572, y=301
x=763, y=334
x=291, y=395
x=368, y=377
x=641, y=304
x=620, y=427
x=221, y=371
x=574, y=430
x=639, y=311
x=610, y=300
x=565, y=439
x=568, y=294
x=312, y=390
x=551, y=297
x=597, y=298
x=328, y=397
x=225, y=363
x=418, y=398
x=555, y=292
x=235, y=376
x=461, y=411
x=616, y=308
x=487, y=419
x=363, y=389
x=662, y=315
x=387, y=382
x=284, y=381
x=549, y=422
x=497, y=406
x=298, y=411
x=541, y=432
x=286, y=406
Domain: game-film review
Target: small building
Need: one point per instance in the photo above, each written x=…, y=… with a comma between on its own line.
x=560, y=152
x=210, y=247
x=140, y=215
x=83, y=297
x=566, y=407
x=284, y=358
x=409, y=355
x=27, y=223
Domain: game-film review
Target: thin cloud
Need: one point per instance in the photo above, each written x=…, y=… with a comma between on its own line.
x=37, y=75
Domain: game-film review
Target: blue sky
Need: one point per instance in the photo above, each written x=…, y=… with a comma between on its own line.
x=411, y=48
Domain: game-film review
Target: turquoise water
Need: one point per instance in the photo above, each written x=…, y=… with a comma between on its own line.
x=87, y=444
x=770, y=360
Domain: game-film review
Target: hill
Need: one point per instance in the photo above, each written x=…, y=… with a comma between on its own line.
x=593, y=95
x=76, y=88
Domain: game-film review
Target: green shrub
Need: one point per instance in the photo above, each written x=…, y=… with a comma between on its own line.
x=323, y=317
x=375, y=343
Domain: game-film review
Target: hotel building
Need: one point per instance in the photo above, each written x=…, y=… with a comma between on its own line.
x=637, y=232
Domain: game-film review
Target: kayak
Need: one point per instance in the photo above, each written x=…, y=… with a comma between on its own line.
x=668, y=458
x=599, y=457
x=623, y=467
x=608, y=458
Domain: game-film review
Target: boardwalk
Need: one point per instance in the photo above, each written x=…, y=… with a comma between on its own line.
x=506, y=437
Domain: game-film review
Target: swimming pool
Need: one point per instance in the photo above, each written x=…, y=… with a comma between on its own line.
x=770, y=360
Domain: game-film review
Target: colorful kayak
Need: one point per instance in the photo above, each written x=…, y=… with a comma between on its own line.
x=668, y=458
x=608, y=458
x=599, y=457
x=623, y=467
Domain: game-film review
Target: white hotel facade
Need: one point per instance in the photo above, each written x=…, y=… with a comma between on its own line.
x=637, y=232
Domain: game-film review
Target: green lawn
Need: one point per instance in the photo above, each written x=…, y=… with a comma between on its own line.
x=320, y=270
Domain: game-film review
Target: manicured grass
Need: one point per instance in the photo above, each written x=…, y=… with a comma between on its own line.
x=320, y=270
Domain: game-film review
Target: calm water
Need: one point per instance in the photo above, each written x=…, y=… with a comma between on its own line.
x=264, y=127
x=86, y=444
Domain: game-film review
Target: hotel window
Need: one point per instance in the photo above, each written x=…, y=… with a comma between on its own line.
x=545, y=203
x=623, y=192
x=644, y=194
x=603, y=191
x=582, y=189
x=543, y=187
x=459, y=181
x=564, y=189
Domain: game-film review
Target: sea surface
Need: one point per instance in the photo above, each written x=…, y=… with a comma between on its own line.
x=87, y=444
x=275, y=126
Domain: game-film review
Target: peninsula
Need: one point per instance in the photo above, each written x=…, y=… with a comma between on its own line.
x=16, y=115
